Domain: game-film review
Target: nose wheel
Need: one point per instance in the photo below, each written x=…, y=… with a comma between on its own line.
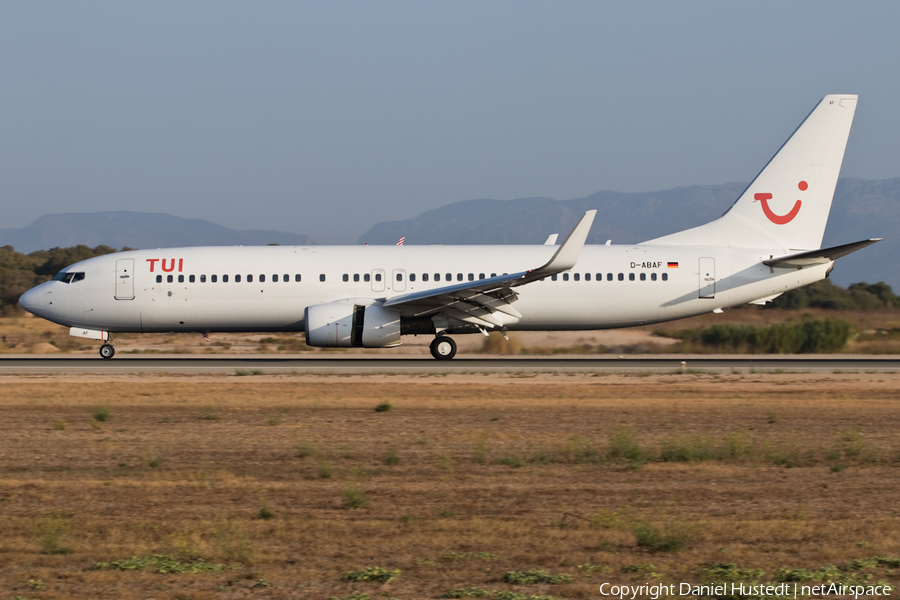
x=107, y=351
x=443, y=348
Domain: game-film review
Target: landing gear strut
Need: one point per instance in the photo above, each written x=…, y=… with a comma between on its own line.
x=443, y=348
x=107, y=351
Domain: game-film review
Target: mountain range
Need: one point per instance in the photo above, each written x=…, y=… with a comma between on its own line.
x=135, y=230
x=862, y=209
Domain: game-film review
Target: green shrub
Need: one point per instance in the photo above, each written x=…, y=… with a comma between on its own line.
x=59, y=424
x=536, y=576
x=355, y=497
x=492, y=594
x=265, y=512
x=383, y=407
x=624, y=448
x=377, y=574
x=670, y=537
x=51, y=532
x=391, y=459
x=102, y=413
x=161, y=563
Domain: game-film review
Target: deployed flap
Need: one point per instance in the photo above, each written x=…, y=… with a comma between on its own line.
x=480, y=301
x=817, y=257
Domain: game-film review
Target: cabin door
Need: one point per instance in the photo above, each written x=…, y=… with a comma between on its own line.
x=707, y=278
x=125, y=279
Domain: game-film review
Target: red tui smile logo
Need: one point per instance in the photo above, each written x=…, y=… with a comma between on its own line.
x=780, y=219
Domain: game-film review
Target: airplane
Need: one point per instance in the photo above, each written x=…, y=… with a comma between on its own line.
x=768, y=242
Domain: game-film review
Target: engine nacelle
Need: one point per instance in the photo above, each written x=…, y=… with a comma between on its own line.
x=351, y=323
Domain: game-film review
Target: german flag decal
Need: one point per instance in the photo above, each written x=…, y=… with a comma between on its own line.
x=673, y=265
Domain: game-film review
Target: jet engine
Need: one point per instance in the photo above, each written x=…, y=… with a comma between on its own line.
x=352, y=323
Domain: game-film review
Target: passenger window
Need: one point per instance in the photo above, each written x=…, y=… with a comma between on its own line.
x=471, y=276
x=286, y=278
x=322, y=277
x=191, y=279
x=448, y=277
x=609, y=276
x=665, y=276
x=366, y=277
x=181, y=279
x=437, y=276
x=224, y=278
x=377, y=276
x=275, y=278
x=621, y=277
x=599, y=276
x=399, y=276
x=587, y=276
x=424, y=276
x=356, y=277
x=493, y=274
x=565, y=276
x=553, y=277
x=631, y=277
x=262, y=278
x=169, y=279
x=346, y=277
x=213, y=278
x=158, y=279
x=481, y=276
x=643, y=277
x=296, y=277
x=249, y=278
x=652, y=276
x=203, y=279
x=237, y=278
x=412, y=276
x=459, y=277
x=576, y=277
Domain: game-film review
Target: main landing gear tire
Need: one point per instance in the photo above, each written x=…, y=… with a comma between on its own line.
x=443, y=348
x=107, y=351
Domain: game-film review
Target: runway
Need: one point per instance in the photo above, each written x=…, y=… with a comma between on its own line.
x=305, y=364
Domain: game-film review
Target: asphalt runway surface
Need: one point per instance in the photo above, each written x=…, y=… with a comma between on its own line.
x=267, y=364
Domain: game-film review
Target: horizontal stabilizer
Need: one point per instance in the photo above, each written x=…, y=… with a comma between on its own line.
x=817, y=257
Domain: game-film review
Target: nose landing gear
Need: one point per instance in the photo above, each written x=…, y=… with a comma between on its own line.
x=107, y=351
x=443, y=348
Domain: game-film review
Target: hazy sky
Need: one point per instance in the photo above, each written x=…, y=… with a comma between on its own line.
x=326, y=117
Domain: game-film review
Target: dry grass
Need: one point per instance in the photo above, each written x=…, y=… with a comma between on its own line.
x=518, y=467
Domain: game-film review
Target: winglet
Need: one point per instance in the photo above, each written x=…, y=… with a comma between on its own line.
x=567, y=254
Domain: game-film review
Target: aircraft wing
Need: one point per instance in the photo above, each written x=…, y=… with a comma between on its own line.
x=478, y=302
x=817, y=257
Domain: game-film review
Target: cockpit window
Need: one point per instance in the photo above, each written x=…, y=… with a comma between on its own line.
x=69, y=277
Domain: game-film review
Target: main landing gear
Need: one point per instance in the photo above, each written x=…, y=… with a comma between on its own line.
x=107, y=351
x=443, y=348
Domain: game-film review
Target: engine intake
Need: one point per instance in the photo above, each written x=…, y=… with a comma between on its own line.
x=352, y=324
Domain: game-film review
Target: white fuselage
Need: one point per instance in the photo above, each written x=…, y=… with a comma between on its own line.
x=172, y=290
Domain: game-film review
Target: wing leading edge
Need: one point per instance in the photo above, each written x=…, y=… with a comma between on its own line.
x=486, y=302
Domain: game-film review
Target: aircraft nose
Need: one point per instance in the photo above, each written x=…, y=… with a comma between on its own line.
x=32, y=300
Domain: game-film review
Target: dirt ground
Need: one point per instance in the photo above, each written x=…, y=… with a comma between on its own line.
x=290, y=482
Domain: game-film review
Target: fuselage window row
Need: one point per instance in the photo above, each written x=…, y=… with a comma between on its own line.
x=366, y=277
x=237, y=278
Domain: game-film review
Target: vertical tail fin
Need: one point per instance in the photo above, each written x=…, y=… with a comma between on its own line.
x=787, y=205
